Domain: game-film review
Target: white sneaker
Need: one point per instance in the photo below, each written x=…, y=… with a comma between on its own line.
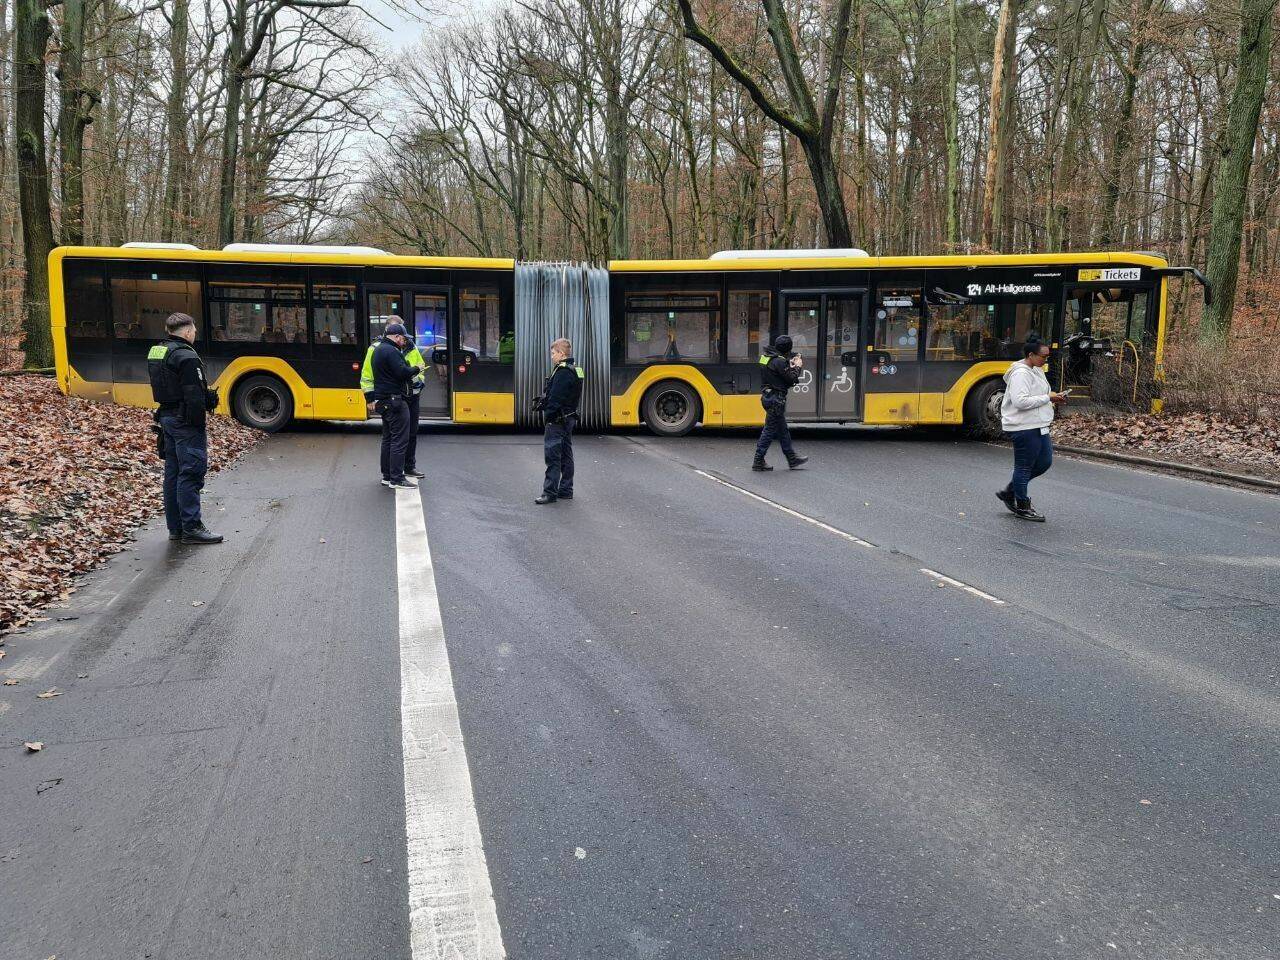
x=385, y=483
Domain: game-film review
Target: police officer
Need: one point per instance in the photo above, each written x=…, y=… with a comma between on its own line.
x=781, y=372
x=178, y=387
x=414, y=358
x=391, y=388
x=559, y=406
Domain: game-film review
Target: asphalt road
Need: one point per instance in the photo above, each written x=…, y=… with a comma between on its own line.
x=707, y=713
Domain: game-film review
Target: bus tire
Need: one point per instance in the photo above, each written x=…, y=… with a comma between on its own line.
x=982, y=409
x=262, y=402
x=671, y=408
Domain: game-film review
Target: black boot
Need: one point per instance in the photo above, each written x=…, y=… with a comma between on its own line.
x=796, y=462
x=545, y=499
x=1006, y=497
x=759, y=464
x=200, y=534
x=1024, y=510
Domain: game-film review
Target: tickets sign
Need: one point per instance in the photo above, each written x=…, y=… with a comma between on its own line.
x=1110, y=274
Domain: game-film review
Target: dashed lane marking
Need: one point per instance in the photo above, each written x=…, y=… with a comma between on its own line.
x=787, y=510
x=451, y=908
x=963, y=586
x=844, y=535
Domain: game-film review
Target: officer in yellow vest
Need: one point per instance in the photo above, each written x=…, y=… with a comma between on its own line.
x=397, y=337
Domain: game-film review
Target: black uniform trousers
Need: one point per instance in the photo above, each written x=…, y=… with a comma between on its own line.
x=411, y=451
x=775, y=426
x=557, y=449
x=186, y=459
x=395, y=435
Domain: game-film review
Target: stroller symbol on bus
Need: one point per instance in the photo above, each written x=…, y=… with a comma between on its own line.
x=802, y=385
x=845, y=382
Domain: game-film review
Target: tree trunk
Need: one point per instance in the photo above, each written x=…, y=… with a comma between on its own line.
x=176, y=124
x=1058, y=233
x=952, y=200
x=1003, y=80
x=231, y=125
x=74, y=114
x=1124, y=124
x=1236, y=159
x=31, y=41
x=826, y=185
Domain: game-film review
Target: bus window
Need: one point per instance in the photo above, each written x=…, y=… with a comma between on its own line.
x=962, y=332
x=333, y=312
x=672, y=326
x=897, y=322
x=383, y=307
x=1030, y=318
x=143, y=295
x=269, y=308
x=478, y=325
x=85, y=296
x=749, y=312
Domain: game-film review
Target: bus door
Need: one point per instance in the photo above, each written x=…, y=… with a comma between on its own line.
x=824, y=328
x=1109, y=333
x=425, y=313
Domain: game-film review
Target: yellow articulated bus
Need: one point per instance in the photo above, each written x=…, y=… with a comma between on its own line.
x=670, y=344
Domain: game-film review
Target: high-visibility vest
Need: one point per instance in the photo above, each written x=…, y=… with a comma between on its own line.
x=366, y=371
x=413, y=358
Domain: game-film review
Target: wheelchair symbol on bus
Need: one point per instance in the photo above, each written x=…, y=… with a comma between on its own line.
x=802, y=385
x=845, y=382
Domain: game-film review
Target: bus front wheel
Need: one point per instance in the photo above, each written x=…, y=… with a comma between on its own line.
x=982, y=409
x=671, y=408
x=263, y=403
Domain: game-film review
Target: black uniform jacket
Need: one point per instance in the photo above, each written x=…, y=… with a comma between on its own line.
x=778, y=374
x=182, y=388
x=564, y=391
x=392, y=375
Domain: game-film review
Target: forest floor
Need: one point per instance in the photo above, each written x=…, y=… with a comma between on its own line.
x=76, y=480
x=1234, y=445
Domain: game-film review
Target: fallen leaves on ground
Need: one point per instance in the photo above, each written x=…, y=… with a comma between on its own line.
x=49, y=694
x=33, y=746
x=1203, y=439
x=76, y=479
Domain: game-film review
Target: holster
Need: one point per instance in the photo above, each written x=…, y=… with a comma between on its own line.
x=159, y=432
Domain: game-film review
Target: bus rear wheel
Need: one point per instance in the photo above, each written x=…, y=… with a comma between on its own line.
x=982, y=409
x=671, y=408
x=263, y=403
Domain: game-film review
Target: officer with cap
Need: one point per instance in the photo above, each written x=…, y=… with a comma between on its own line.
x=559, y=406
x=414, y=358
x=781, y=372
x=392, y=389
x=178, y=387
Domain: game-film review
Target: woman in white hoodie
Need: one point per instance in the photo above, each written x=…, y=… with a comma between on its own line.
x=1025, y=414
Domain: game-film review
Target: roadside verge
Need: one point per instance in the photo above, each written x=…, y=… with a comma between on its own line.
x=76, y=480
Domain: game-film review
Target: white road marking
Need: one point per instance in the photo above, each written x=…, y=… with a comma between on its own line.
x=451, y=909
x=963, y=586
x=844, y=536
x=787, y=510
